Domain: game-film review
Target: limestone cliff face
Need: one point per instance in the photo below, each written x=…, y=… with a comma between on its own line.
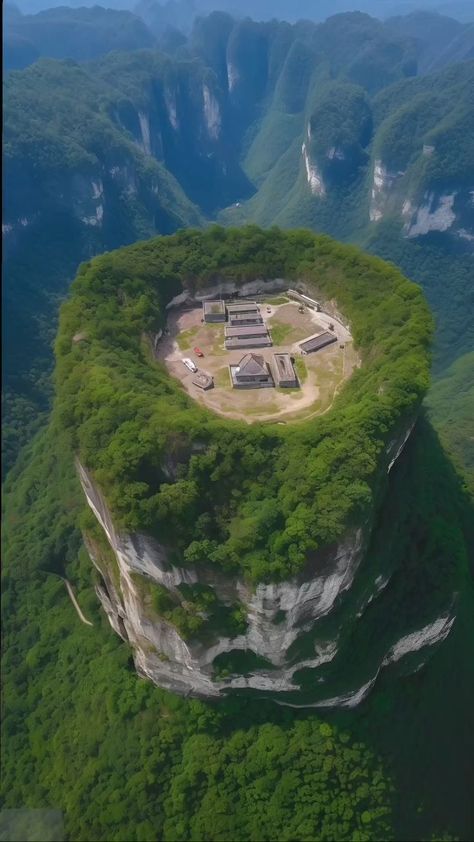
x=162, y=655
x=448, y=211
x=283, y=619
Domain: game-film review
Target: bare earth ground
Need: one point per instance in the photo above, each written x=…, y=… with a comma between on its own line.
x=321, y=374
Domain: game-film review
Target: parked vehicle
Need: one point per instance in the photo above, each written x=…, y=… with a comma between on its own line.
x=189, y=364
x=198, y=352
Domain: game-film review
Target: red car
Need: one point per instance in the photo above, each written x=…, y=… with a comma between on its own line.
x=198, y=352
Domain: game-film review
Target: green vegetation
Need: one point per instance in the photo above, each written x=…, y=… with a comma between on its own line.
x=239, y=662
x=341, y=121
x=78, y=34
x=195, y=611
x=114, y=753
x=124, y=760
x=222, y=378
x=77, y=157
x=259, y=798
x=81, y=732
x=138, y=152
x=300, y=368
x=240, y=502
x=281, y=299
x=185, y=338
x=279, y=331
x=451, y=406
x=436, y=111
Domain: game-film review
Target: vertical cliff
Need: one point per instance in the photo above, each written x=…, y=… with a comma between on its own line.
x=285, y=623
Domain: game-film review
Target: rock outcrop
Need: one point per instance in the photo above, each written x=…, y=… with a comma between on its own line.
x=282, y=618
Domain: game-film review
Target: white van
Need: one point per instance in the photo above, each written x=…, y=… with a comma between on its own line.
x=189, y=364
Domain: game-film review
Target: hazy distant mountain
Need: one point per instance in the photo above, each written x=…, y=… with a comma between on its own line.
x=440, y=40
x=64, y=32
x=290, y=10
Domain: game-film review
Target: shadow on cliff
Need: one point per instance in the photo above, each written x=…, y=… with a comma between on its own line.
x=420, y=722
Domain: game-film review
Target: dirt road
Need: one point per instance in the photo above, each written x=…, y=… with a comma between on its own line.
x=75, y=602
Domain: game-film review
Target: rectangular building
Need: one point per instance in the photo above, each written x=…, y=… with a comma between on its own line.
x=285, y=375
x=316, y=342
x=246, y=330
x=243, y=307
x=252, y=372
x=245, y=319
x=233, y=343
x=213, y=311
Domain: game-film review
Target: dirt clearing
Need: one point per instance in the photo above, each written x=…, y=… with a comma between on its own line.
x=320, y=374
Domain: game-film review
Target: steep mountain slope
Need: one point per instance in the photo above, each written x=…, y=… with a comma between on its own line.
x=440, y=40
x=382, y=172
x=75, y=183
x=322, y=126
x=63, y=32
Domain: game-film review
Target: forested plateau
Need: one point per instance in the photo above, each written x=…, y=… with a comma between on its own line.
x=351, y=716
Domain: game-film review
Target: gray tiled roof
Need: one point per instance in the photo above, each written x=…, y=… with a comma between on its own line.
x=246, y=330
x=253, y=364
x=316, y=342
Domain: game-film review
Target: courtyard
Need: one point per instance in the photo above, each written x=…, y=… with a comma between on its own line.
x=320, y=374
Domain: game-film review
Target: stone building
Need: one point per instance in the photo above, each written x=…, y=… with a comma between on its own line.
x=246, y=336
x=213, y=311
x=252, y=372
x=285, y=375
x=315, y=343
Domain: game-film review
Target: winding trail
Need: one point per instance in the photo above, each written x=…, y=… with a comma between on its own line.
x=75, y=602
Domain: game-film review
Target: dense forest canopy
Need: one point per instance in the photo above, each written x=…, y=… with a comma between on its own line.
x=240, y=501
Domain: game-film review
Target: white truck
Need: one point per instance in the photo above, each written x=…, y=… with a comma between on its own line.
x=189, y=364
